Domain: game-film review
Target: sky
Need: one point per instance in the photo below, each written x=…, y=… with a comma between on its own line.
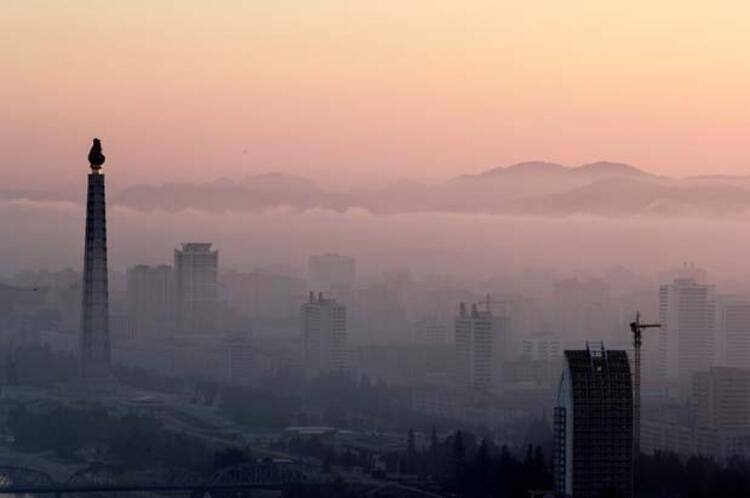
x=354, y=93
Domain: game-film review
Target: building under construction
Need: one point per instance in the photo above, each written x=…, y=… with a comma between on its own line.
x=593, y=425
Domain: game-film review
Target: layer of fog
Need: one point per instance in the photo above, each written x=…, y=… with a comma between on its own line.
x=49, y=235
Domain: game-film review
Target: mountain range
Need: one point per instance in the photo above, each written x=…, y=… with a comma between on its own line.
x=534, y=188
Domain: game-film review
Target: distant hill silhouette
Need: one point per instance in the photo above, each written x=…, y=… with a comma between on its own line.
x=524, y=168
x=604, y=168
x=253, y=193
x=535, y=188
x=597, y=169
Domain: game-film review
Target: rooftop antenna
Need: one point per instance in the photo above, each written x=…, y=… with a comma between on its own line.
x=636, y=327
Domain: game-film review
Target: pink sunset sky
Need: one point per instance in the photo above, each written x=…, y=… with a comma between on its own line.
x=366, y=92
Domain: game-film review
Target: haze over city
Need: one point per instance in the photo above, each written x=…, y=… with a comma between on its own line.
x=377, y=249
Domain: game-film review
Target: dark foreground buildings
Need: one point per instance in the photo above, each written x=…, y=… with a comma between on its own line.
x=593, y=426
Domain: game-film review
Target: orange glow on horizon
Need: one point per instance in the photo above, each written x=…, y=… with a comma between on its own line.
x=357, y=92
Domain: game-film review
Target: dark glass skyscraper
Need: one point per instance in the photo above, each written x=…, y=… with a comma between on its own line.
x=593, y=426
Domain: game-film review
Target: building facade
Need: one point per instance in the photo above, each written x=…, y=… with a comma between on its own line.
x=241, y=361
x=196, y=269
x=150, y=298
x=733, y=327
x=721, y=399
x=324, y=335
x=541, y=347
x=686, y=340
x=263, y=293
x=593, y=425
x=481, y=342
x=429, y=330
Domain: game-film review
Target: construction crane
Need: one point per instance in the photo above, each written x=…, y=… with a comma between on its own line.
x=636, y=327
x=487, y=302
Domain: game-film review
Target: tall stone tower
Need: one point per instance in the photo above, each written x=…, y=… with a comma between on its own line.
x=95, y=352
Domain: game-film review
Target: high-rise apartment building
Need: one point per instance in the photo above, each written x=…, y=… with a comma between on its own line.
x=150, y=298
x=196, y=279
x=733, y=331
x=686, y=341
x=263, y=293
x=429, y=330
x=324, y=334
x=481, y=342
x=241, y=361
x=593, y=426
x=721, y=399
x=541, y=347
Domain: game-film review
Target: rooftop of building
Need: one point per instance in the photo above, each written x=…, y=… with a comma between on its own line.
x=596, y=371
x=196, y=246
x=320, y=299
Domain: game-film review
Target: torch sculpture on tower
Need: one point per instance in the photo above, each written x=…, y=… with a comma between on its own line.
x=94, y=340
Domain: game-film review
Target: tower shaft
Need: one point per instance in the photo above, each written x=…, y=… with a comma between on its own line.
x=94, y=346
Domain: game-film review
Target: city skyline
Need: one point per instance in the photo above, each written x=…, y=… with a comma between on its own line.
x=495, y=367
x=375, y=249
